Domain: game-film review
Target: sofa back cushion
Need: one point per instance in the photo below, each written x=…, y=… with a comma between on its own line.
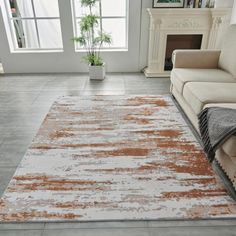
x=227, y=59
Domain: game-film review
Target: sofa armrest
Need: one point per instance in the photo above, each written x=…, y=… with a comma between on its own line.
x=204, y=59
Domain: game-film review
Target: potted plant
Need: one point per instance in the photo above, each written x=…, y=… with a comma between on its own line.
x=92, y=38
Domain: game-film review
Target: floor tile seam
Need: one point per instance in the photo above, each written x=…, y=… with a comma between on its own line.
x=8, y=167
x=95, y=228
x=38, y=94
x=29, y=125
x=103, y=91
x=62, y=88
x=21, y=147
x=141, y=227
x=103, y=88
x=42, y=87
x=140, y=92
x=43, y=229
x=32, y=229
x=145, y=88
x=19, y=91
x=192, y=226
x=84, y=85
x=106, y=85
x=2, y=141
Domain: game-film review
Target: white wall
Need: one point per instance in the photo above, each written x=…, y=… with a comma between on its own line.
x=70, y=61
x=144, y=35
x=233, y=19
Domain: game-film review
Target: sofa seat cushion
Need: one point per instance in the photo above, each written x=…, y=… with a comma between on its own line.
x=179, y=77
x=229, y=147
x=198, y=94
x=226, y=164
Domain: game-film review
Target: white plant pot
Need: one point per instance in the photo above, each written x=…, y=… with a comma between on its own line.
x=97, y=72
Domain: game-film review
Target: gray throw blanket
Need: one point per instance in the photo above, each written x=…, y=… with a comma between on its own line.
x=217, y=125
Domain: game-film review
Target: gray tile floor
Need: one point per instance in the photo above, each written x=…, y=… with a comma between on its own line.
x=24, y=102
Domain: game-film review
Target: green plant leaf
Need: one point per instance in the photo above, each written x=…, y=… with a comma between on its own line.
x=90, y=37
x=88, y=3
x=103, y=38
x=93, y=59
x=81, y=40
x=88, y=22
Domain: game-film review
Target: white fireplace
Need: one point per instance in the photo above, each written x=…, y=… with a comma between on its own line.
x=203, y=26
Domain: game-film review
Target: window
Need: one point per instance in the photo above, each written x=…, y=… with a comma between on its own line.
x=34, y=24
x=114, y=21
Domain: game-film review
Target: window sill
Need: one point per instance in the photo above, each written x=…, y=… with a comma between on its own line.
x=106, y=50
x=37, y=51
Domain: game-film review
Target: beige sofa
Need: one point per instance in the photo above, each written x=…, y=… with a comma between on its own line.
x=207, y=78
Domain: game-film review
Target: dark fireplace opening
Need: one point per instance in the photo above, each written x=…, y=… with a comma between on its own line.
x=180, y=42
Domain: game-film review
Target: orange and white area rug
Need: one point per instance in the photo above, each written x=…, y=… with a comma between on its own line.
x=102, y=158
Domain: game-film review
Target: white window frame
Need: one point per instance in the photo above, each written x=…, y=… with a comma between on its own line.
x=126, y=17
x=35, y=18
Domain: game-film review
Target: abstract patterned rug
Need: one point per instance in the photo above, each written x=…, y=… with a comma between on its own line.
x=101, y=158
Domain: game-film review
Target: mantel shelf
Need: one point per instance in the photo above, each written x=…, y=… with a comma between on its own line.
x=187, y=10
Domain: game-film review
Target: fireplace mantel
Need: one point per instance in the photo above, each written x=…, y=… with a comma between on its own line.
x=164, y=22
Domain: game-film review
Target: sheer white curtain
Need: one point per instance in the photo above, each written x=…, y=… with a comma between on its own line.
x=49, y=30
